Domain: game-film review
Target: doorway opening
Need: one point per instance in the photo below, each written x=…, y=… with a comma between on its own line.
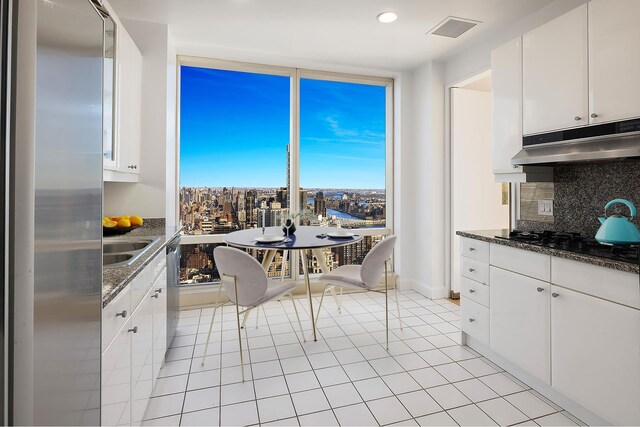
x=477, y=201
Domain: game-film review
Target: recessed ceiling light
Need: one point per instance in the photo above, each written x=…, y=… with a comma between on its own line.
x=387, y=17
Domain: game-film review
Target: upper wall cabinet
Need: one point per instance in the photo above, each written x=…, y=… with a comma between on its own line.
x=506, y=81
x=614, y=60
x=123, y=94
x=555, y=74
x=506, y=138
x=129, y=106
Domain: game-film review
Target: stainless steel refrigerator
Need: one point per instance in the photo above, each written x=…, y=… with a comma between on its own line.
x=55, y=209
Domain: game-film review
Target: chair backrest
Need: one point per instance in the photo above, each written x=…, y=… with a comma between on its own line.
x=250, y=276
x=372, y=267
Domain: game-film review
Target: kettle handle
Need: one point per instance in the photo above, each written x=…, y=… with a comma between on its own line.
x=627, y=203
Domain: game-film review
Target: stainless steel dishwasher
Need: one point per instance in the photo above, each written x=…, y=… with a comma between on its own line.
x=173, y=280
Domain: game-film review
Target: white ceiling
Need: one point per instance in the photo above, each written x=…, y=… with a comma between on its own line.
x=341, y=32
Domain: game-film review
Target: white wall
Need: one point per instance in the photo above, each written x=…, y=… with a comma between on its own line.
x=422, y=182
x=425, y=154
x=462, y=65
x=149, y=198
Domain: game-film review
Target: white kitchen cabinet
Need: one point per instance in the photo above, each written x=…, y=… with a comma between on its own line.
x=622, y=287
x=125, y=165
x=474, y=320
x=614, y=60
x=595, y=351
x=129, y=105
x=506, y=92
x=141, y=357
x=519, y=321
x=475, y=291
x=555, y=74
x=116, y=380
x=159, y=294
x=521, y=261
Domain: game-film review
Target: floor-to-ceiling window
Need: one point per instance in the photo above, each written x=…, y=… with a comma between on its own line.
x=261, y=144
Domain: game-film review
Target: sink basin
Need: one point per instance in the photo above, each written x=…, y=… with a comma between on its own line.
x=124, y=252
x=111, y=259
x=125, y=246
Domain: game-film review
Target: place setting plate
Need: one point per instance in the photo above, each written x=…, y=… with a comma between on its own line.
x=341, y=235
x=270, y=238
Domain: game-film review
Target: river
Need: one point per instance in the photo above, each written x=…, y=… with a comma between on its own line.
x=341, y=215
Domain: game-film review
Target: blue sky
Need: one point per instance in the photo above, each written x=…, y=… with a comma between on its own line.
x=234, y=129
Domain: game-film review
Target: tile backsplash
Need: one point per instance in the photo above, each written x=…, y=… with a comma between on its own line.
x=579, y=192
x=530, y=193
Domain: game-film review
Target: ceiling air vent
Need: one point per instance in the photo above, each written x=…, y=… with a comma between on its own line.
x=453, y=27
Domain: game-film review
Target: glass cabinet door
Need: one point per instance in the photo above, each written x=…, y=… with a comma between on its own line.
x=109, y=94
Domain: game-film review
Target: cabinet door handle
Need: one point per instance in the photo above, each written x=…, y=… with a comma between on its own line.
x=594, y=115
x=159, y=291
x=471, y=270
x=471, y=319
x=472, y=249
x=472, y=291
x=515, y=166
x=123, y=313
x=540, y=289
x=154, y=296
x=577, y=118
x=134, y=330
x=555, y=295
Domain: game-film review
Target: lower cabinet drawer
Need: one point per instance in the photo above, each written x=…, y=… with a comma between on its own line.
x=474, y=320
x=475, y=291
x=115, y=315
x=475, y=270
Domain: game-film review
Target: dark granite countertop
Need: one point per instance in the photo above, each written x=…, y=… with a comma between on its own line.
x=115, y=279
x=490, y=236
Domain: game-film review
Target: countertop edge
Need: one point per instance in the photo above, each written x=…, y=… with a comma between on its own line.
x=143, y=262
x=601, y=262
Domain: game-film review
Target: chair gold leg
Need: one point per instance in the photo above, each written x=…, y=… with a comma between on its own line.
x=386, y=302
x=218, y=304
x=395, y=294
x=285, y=256
x=235, y=284
x=245, y=317
x=324, y=291
x=305, y=269
x=295, y=308
x=334, y=293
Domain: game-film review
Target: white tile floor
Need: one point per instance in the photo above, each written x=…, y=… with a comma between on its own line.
x=346, y=377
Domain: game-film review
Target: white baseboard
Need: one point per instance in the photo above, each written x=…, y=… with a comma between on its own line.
x=422, y=288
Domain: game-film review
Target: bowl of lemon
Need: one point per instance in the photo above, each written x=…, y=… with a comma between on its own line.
x=116, y=225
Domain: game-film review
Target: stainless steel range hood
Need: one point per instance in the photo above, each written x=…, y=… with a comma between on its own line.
x=605, y=141
x=602, y=148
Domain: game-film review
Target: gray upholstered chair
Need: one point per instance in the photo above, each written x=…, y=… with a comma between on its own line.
x=364, y=277
x=246, y=284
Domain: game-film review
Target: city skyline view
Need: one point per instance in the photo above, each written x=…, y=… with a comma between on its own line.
x=234, y=177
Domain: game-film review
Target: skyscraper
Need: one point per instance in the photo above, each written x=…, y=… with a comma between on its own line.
x=320, y=205
x=282, y=197
x=250, y=199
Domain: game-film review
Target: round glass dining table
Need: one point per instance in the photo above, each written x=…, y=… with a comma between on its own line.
x=307, y=239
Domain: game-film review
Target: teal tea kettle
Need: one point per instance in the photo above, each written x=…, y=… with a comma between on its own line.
x=617, y=228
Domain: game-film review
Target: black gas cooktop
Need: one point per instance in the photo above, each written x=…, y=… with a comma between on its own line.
x=575, y=242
